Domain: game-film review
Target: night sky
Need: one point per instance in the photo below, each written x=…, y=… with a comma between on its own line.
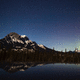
x=53, y=23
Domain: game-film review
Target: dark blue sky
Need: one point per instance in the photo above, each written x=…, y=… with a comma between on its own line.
x=53, y=23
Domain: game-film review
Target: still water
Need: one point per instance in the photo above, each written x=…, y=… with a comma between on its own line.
x=41, y=71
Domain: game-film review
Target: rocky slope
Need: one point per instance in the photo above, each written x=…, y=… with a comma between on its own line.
x=21, y=42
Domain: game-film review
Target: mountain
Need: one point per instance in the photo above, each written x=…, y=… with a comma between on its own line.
x=21, y=42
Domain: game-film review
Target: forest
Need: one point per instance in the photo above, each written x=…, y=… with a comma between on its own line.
x=38, y=56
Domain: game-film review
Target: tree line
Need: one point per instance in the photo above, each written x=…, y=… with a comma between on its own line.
x=38, y=56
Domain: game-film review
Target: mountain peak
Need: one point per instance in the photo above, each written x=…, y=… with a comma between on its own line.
x=14, y=34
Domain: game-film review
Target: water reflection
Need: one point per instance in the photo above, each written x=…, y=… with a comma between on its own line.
x=39, y=71
x=22, y=66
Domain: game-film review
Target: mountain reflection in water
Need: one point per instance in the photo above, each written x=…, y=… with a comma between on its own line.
x=21, y=66
x=39, y=71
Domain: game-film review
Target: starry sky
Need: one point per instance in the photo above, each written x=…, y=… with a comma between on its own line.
x=53, y=23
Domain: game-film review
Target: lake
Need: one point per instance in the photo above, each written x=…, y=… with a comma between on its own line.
x=40, y=71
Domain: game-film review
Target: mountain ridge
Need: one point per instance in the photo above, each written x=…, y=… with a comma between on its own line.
x=21, y=42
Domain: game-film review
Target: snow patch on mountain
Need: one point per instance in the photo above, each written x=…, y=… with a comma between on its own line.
x=41, y=46
x=23, y=36
x=28, y=41
x=16, y=40
x=32, y=44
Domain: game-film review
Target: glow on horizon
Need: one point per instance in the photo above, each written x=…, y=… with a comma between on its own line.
x=79, y=48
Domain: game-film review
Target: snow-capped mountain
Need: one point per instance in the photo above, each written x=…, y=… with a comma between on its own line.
x=16, y=41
